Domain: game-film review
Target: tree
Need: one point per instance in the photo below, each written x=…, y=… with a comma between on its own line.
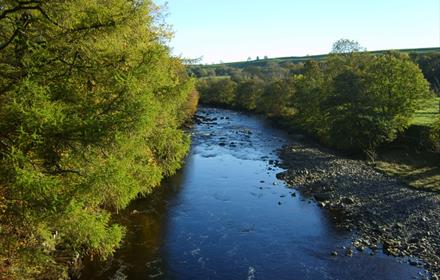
x=430, y=66
x=371, y=100
x=311, y=91
x=217, y=91
x=346, y=46
x=90, y=108
x=253, y=71
x=276, y=100
x=248, y=93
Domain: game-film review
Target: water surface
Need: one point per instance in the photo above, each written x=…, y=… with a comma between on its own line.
x=226, y=216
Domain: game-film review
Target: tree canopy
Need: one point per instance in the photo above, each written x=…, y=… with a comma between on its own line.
x=91, y=105
x=354, y=101
x=346, y=46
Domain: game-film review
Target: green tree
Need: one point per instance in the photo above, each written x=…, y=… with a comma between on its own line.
x=430, y=66
x=276, y=99
x=217, y=91
x=346, y=46
x=248, y=93
x=311, y=91
x=372, y=100
x=90, y=108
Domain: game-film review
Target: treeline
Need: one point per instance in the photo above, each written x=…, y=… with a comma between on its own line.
x=91, y=105
x=428, y=62
x=352, y=101
x=430, y=65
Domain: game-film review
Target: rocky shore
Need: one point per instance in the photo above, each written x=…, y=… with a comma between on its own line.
x=384, y=213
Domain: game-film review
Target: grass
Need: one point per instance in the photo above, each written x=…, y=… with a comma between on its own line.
x=298, y=59
x=421, y=170
x=428, y=113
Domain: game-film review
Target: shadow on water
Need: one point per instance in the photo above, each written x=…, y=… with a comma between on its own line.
x=226, y=216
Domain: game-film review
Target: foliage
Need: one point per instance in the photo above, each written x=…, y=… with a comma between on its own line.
x=352, y=101
x=248, y=94
x=434, y=136
x=90, y=108
x=217, y=91
x=310, y=92
x=366, y=100
x=430, y=66
x=277, y=98
x=346, y=46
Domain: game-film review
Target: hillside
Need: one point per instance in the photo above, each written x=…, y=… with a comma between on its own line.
x=298, y=59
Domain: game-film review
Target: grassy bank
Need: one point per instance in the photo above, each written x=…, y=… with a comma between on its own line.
x=428, y=112
x=407, y=158
x=420, y=170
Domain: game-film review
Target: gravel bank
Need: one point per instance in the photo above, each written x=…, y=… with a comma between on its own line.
x=385, y=214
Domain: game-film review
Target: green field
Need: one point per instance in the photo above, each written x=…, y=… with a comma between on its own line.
x=429, y=111
x=299, y=59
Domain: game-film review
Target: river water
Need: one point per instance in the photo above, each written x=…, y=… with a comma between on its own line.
x=226, y=216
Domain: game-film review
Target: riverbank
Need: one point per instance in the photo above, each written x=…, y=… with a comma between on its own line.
x=382, y=210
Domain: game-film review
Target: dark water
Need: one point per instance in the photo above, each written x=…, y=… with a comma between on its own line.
x=226, y=216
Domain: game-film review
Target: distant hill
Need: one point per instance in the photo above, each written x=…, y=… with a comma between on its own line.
x=298, y=59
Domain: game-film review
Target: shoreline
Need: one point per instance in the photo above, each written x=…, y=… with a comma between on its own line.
x=382, y=210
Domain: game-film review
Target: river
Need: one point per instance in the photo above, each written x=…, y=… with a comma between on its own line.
x=226, y=216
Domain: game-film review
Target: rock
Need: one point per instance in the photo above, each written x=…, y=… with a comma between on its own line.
x=334, y=253
x=347, y=200
x=281, y=175
x=360, y=248
x=222, y=144
x=349, y=253
x=323, y=196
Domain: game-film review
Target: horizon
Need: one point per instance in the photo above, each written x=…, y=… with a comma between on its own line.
x=226, y=31
x=313, y=55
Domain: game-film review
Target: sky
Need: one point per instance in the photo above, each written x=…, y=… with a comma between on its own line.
x=234, y=30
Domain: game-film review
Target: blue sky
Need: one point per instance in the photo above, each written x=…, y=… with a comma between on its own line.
x=233, y=30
